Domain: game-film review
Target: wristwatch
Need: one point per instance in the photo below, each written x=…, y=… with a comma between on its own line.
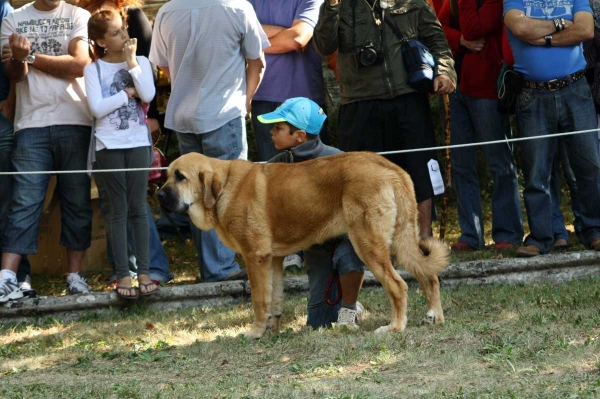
x=30, y=58
x=548, y=40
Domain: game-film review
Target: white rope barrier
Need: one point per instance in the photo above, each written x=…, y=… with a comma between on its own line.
x=505, y=141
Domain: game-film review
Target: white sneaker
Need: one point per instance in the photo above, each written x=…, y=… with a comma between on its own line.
x=25, y=287
x=9, y=290
x=347, y=317
x=292, y=262
x=77, y=284
x=360, y=309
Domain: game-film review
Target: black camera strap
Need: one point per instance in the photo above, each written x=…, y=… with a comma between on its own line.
x=395, y=29
x=353, y=4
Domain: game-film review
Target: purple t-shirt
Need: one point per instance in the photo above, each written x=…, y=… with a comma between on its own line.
x=541, y=63
x=290, y=74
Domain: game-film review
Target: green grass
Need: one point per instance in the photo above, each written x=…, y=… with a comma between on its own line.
x=538, y=341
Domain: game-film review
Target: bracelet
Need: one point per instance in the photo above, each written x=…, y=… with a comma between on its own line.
x=562, y=24
x=548, y=40
x=557, y=25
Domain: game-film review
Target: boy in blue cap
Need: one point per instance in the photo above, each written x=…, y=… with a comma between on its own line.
x=297, y=123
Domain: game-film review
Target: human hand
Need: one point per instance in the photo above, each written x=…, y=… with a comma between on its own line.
x=6, y=54
x=19, y=46
x=129, y=50
x=7, y=107
x=154, y=128
x=474, y=46
x=131, y=92
x=442, y=84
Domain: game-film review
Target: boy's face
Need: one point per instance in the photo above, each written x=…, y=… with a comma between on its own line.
x=282, y=139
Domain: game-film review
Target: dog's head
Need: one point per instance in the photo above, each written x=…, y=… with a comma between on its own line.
x=192, y=187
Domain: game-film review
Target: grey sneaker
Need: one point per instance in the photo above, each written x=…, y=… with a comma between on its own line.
x=9, y=290
x=77, y=284
x=25, y=287
x=292, y=262
x=347, y=317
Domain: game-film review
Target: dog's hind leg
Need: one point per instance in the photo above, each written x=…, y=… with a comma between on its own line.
x=431, y=289
x=260, y=275
x=277, y=295
x=374, y=253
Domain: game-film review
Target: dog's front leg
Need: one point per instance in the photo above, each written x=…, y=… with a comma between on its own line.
x=260, y=275
x=277, y=295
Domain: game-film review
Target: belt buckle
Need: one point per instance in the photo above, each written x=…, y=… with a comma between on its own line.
x=553, y=85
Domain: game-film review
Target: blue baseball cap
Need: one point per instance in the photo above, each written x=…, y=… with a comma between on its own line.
x=300, y=112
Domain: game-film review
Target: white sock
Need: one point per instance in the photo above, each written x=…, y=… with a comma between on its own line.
x=8, y=275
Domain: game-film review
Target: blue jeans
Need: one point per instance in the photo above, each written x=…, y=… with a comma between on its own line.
x=62, y=147
x=558, y=220
x=159, y=261
x=264, y=145
x=540, y=113
x=215, y=260
x=320, y=265
x=478, y=120
x=6, y=182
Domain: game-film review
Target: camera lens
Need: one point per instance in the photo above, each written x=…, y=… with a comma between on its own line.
x=368, y=57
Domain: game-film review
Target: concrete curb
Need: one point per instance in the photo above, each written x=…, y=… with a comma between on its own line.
x=548, y=268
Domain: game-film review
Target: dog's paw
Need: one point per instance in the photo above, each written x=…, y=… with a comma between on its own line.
x=382, y=330
x=253, y=333
x=432, y=318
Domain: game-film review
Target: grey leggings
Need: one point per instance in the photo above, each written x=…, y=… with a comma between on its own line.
x=126, y=196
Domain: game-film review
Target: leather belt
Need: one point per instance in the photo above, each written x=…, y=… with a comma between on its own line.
x=554, y=84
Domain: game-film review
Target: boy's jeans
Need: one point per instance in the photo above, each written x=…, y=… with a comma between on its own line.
x=6, y=148
x=478, y=120
x=558, y=219
x=539, y=113
x=215, y=260
x=320, y=265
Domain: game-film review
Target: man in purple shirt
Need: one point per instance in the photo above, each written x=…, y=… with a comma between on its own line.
x=289, y=26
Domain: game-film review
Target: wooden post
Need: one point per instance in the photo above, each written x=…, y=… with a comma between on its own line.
x=443, y=218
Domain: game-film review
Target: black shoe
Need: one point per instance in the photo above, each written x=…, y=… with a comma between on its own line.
x=241, y=274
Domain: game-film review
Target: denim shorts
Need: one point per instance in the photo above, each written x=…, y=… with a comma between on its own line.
x=61, y=147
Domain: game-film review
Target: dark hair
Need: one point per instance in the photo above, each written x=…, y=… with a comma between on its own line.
x=294, y=129
x=97, y=28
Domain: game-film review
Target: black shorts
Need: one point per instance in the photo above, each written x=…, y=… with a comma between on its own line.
x=400, y=123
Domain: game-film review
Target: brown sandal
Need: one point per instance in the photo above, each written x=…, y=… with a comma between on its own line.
x=146, y=285
x=129, y=289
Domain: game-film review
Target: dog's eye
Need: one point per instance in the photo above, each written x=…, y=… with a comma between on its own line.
x=179, y=176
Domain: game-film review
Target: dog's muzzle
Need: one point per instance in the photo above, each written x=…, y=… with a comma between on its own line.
x=169, y=200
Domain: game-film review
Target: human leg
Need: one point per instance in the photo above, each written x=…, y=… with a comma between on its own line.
x=464, y=174
x=536, y=116
x=491, y=125
x=216, y=261
x=319, y=268
x=577, y=113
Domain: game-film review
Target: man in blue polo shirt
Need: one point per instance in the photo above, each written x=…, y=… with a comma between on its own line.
x=545, y=37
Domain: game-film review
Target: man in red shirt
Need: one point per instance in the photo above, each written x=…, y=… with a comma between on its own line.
x=474, y=31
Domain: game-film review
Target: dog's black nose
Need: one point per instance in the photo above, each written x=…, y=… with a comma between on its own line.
x=161, y=194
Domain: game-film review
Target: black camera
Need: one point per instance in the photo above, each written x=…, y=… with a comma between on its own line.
x=368, y=55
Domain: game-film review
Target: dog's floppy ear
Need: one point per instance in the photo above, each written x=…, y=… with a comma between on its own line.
x=212, y=188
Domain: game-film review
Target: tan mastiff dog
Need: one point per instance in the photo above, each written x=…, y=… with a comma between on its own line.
x=267, y=211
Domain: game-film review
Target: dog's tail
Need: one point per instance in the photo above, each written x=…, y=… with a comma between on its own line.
x=421, y=258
